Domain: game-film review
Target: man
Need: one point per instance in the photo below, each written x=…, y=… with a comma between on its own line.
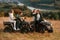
x=37, y=18
x=11, y=16
x=18, y=20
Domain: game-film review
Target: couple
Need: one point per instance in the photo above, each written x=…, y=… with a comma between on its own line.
x=12, y=17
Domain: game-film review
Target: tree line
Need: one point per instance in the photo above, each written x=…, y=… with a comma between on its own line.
x=28, y=12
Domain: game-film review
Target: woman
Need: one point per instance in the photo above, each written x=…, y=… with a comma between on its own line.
x=11, y=16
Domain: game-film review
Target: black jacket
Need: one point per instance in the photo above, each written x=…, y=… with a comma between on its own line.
x=35, y=15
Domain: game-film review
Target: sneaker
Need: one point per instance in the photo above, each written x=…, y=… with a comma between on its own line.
x=17, y=29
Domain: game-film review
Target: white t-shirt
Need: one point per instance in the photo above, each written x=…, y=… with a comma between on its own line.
x=38, y=16
x=11, y=16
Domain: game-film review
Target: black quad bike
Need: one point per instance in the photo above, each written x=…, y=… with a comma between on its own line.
x=42, y=27
x=22, y=25
x=25, y=27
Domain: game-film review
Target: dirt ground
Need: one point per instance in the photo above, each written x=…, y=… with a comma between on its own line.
x=30, y=36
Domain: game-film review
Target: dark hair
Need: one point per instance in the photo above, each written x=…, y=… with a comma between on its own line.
x=33, y=10
x=10, y=10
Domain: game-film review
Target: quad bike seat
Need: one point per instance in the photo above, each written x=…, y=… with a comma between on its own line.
x=7, y=23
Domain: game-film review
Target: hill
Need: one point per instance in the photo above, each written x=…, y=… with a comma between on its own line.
x=37, y=3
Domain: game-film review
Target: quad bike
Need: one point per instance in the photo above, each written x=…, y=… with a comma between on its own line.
x=47, y=26
x=9, y=26
x=22, y=25
x=28, y=27
x=42, y=26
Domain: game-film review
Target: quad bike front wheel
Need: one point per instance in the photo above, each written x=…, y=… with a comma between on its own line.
x=49, y=29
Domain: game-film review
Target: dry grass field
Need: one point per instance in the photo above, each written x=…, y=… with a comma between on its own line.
x=30, y=36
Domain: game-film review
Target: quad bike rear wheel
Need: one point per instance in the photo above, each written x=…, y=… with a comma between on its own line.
x=8, y=29
x=50, y=30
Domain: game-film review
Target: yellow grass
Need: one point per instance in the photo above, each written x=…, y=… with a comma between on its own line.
x=31, y=36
